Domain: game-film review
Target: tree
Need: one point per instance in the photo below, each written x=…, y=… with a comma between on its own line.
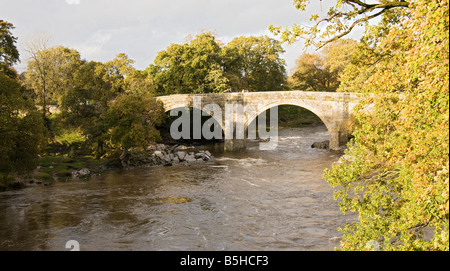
x=21, y=129
x=193, y=67
x=322, y=71
x=395, y=173
x=119, y=71
x=204, y=65
x=9, y=55
x=254, y=63
x=139, y=82
x=50, y=73
x=95, y=87
x=83, y=106
x=309, y=75
x=340, y=20
x=132, y=120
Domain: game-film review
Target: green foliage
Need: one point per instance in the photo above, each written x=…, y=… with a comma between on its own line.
x=322, y=71
x=52, y=168
x=192, y=67
x=202, y=65
x=254, y=63
x=132, y=120
x=290, y=116
x=21, y=129
x=9, y=54
x=395, y=174
x=50, y=74
x=396, y=171
x=95, y=87
x=9, y=182
x=104, y=107
x=339, y=22
x=22, y=132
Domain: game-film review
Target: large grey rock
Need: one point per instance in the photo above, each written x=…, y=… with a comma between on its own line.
x=84, y=172
x=199, y=155
x=180, y=148
x=321, y=145
x=167, y=158
x=160, y=147
x=190, y=158
x=159, y=154
x=181, y=155
x=81, y=173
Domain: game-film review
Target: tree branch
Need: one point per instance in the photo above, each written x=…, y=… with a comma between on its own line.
x=351, y=28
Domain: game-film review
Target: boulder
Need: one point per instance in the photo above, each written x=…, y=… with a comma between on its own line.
x=321, y=145
x=181, y=155
x=180, y=148
x=159, y=154
x=84, y=172
x=190, y=158
x=81, y=173
x=160, y=147
x=167, y=158
x=199, y=155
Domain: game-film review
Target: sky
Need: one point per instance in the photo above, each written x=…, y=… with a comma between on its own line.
x=100, y=29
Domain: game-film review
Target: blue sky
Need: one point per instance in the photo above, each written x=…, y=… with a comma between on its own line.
x=100, y=29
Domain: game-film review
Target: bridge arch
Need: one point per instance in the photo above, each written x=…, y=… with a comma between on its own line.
x=170, y=107
x=261, y=109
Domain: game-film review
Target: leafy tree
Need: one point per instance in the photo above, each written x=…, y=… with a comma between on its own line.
x=340, y=20
x=203, y=65
x=50, y=73
x=338, y=55
x=139, y=82
x=21, y=128
x=118, y=72
x=95, y=87
x=193, y=67
x=395, y=173
x=9, y=55
x=254, y=63
x=322, y=71
x=310, y=76
x=132, y=120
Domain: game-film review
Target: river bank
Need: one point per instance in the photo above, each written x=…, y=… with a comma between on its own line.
x=63, y=168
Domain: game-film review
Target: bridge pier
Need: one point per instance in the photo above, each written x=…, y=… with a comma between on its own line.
x=234, y=120
x=234, y=144
x=334, y=140
x=338, y=138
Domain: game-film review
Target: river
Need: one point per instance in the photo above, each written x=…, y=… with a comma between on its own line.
x=251, y=200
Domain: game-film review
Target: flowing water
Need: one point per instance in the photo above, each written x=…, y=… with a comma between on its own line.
x=251, y=200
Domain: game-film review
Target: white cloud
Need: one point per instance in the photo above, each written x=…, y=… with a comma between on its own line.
x=93, y=49
x=100, y=29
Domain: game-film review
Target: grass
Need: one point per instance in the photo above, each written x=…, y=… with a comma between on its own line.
x=8, y=182
x=60, y=168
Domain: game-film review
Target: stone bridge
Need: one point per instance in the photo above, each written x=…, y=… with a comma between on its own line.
x=333, y=108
